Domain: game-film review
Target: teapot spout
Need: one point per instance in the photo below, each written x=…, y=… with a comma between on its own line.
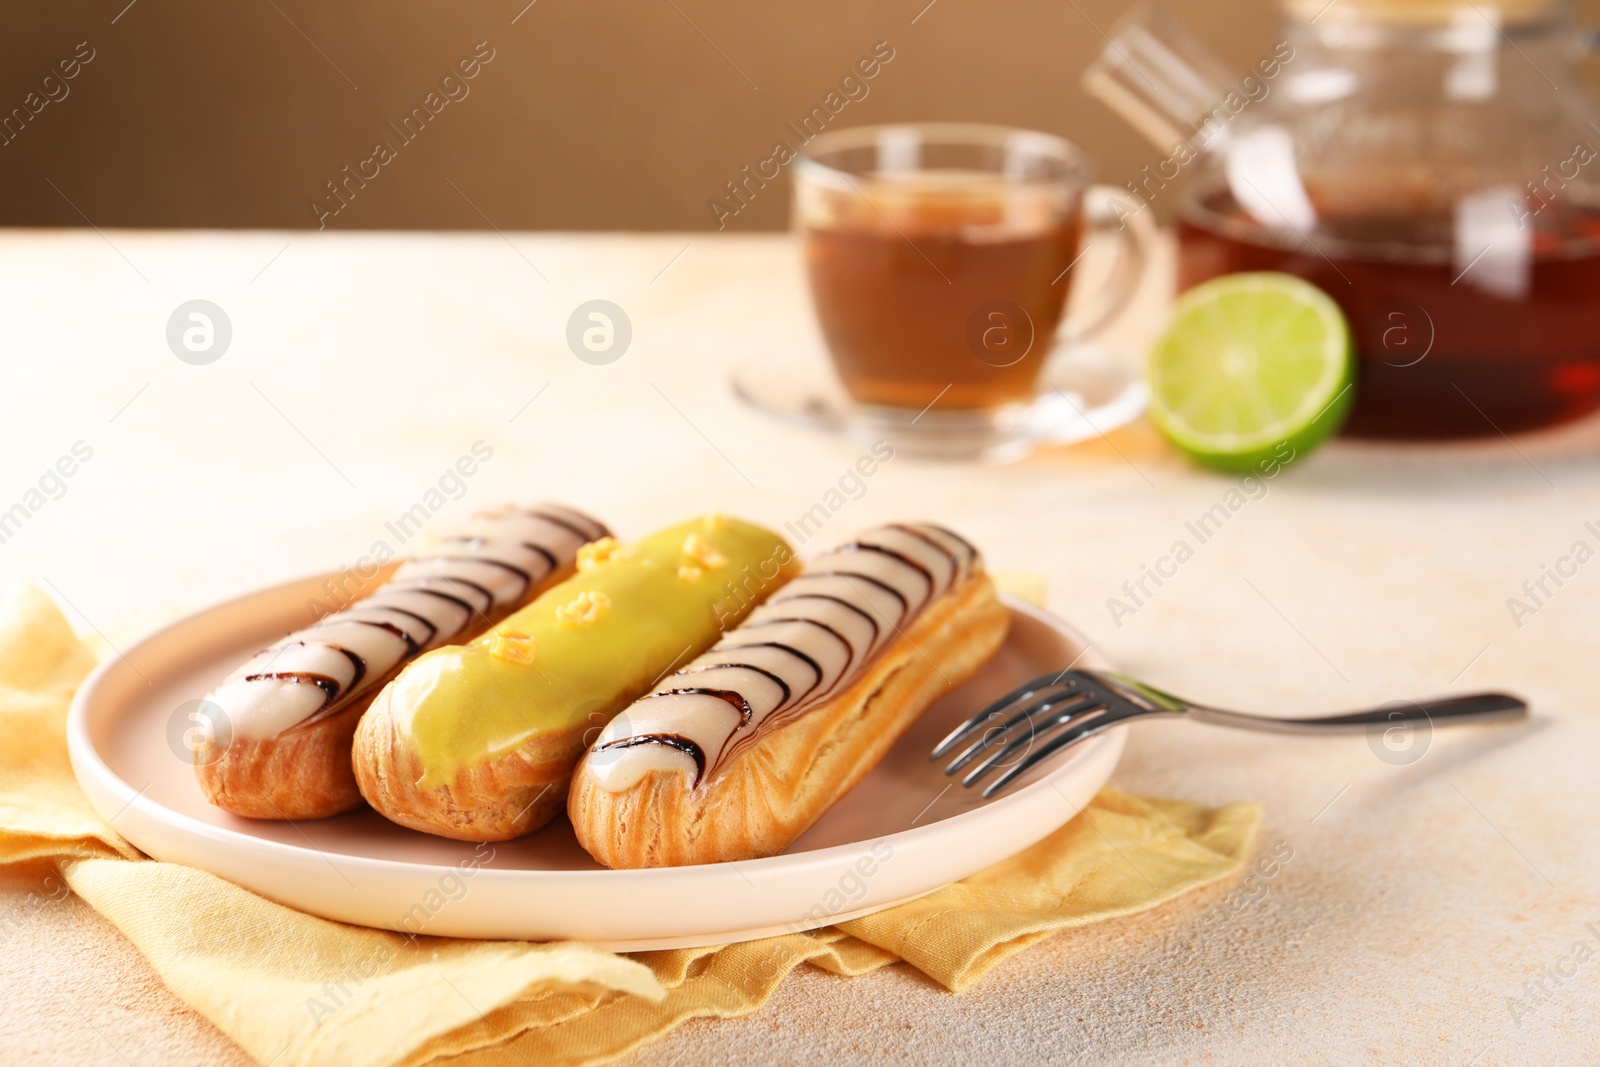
x=1158, y=76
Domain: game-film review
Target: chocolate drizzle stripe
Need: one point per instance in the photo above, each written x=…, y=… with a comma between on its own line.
x=358, y=662
x=682, y=744
x=841, y=601
x=565, y=523
x=430, y=580
x=549, y=557
x=527, y=579
x=330, y=705
x=899, y=557
x=849, y=649
x=912, y=531
x=773, y=678
x=972, y=552
x=835, y=565
x=733, y=697
x=374, y=605
x=329, y=687
x=489, y=545
x=419, y=587
x=920, y=535
x=437, y=574
x=905, y=606
x=795, y=652
x=412, y=648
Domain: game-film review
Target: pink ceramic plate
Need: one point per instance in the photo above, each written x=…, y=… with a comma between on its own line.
x=904, y=831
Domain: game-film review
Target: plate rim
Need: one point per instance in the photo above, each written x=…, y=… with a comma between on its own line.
x=96, y=778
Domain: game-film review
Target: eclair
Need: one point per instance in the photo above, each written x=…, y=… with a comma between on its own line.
x=478, y=741
x=742, y=750
x=282, y=723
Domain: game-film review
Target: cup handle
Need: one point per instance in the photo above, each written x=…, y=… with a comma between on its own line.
x=1109, y=215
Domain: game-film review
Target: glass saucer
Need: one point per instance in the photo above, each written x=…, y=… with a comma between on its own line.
x=1084, y=393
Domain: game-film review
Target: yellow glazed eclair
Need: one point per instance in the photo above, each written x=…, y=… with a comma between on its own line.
x=282, y=723
x=736, y=755
x=478, y=741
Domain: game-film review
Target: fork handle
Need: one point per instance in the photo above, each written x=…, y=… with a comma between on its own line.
x=1446, y=711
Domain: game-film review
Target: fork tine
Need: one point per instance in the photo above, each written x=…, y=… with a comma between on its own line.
x=1025, y=691
x=1027, y=712
x=1074, y=733
x=1021, y=746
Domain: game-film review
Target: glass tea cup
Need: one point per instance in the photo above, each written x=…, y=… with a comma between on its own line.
x=940, y=259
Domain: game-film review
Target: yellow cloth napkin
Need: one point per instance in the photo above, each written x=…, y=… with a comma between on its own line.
x=292, y=989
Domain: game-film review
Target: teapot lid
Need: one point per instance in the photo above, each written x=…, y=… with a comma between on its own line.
x=1424, y=12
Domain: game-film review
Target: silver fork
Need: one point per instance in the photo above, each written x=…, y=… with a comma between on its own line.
x=1056, y=711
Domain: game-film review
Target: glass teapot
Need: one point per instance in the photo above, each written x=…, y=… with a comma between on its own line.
x=1433, y=165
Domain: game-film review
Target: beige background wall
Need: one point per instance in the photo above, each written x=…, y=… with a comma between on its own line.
x=594, y=114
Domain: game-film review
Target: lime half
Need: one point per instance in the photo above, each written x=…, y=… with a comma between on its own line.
x=1252, y=371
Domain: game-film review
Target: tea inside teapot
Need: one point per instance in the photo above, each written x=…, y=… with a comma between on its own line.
x=1430, y=166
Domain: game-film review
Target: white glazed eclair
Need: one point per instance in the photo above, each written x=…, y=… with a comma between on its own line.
x=736, y=755
x=283, y=722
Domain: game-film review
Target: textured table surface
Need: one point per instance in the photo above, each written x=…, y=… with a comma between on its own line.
x=1430, y=909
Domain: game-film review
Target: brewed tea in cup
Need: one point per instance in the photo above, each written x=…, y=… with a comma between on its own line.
x=940, y=259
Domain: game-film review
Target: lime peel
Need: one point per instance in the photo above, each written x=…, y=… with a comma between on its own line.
x=1247, y=364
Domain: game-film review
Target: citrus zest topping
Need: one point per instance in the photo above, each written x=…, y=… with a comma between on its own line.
x=697, y=551
x=604, y=550
x=583, y=609
x=515, y=648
